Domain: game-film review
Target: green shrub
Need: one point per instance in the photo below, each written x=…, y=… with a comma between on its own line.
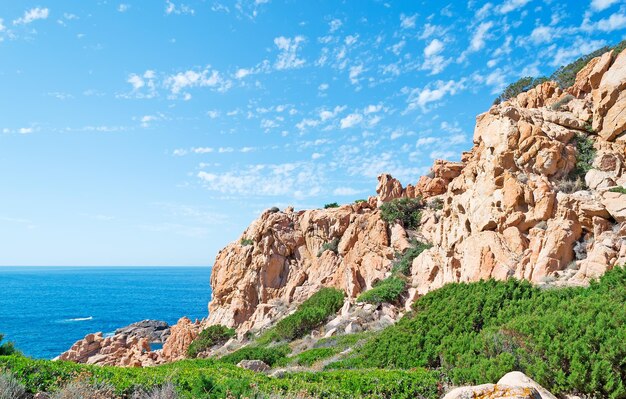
x=619, y=47
x=360, y=200
x=310, y=314
x=7, y=348
x=436, y=204
x=404, y=262
x=565, y=76
x=270, y=355
x=210, y=336
x=406, y=211
x=585, y=154
x=385, y=291
x=568, y=339
x=308, y=357
x=621, y=190
x=520, y=86
x=246, y=241
x=329, y=246
x=557, y=106
x=331, y=205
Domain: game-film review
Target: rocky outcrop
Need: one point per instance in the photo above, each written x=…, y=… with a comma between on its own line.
x=509, y=209
x=118, y=350
x=154, y=331
x=514, y=385
x=294, y=254
x=181, y=336
x=255, y=365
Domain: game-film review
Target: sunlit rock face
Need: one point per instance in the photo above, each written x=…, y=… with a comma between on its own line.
x=509, y=209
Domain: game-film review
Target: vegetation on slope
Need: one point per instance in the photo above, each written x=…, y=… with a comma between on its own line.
x=211, y=336
x=406, y=211
x=568, y=340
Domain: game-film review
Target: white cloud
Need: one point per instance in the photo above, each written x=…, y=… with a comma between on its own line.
x=346, y=191
x=424, y=141
x=213, y=113
x=242, y=73
x=189, y=79
x=202, y=150
x=542, y=34
x=580, y=47
x=172, y=8
x=316, y=155
x=599, y=5
x=480, y=35
x=2, y=27
x=512, y=5
x=136, y=81
x=614, y=22
x=435, y=47
x=326, y=115
x=433, y=61
x=299, y=180
x=179, y=152
x=32, y=15
x=288, y=57
x=407, y=21
x=323, y=87
x=26, y=130
x=147, y=119
x=432, y=93
x=351, y=120
x=334, y=25
x=355, y=71
x=224, y=150
x=123, y=7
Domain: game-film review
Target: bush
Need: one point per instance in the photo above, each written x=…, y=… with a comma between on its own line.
x=557, y=106
x=567, y=339
x=329, y=246
x=10, y=387
x=621, y=190
x=565, y=76
x=310, y=314
x=246, y=241
x=585, y=154
x=522, y=85
x=436, y=204
x=6, y=348
x=166, y=391
x=210, y=336
x=82, y=389
x=273, y=355
x=406, y=211
x=308, y=357
x=331, y=205
x=405, y=261
x=385, y=291
x=360, y=200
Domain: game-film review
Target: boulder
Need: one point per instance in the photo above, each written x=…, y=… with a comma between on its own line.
x=254, y=365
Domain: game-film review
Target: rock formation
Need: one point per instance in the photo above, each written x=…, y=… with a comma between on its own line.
x=513, y=385
x=181, y=336
x=154, y=330
x=118, y=350
x=511, y=208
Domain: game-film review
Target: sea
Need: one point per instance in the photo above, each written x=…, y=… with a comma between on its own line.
x=44, y=310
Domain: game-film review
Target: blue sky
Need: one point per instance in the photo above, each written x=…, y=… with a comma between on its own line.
x=153, y=132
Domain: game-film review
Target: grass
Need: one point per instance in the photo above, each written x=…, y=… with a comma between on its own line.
x=200, y=378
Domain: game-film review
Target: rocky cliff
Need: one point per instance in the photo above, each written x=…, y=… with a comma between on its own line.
x=512, y=207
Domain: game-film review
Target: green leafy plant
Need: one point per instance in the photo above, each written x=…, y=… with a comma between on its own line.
x=557, y=106
x=6, y=348
x=210, y=336
x=270, y=355
x=520, y=86
x=360, y=200
x=565, y=76
x=404, y=261
x=247, y=241
x=385, y=291
x=620, y=190
x=567, y=339
x=308, y=357
x=585, y=154
x=331, y=205
x=332, y=246
x=406, y=211
x=310, y=314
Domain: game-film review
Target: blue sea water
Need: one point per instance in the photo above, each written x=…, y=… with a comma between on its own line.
x=44, y=310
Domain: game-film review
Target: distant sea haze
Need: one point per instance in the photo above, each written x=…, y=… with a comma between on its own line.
x=44, y=310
